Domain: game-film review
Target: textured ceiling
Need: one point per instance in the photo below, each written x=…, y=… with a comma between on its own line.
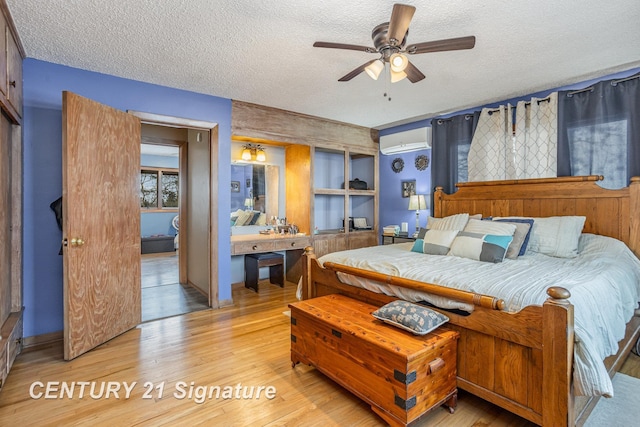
x=261, y=51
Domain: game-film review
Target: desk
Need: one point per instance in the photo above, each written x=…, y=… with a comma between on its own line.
x=293, y=245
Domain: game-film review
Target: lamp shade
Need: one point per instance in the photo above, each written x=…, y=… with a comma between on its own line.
x=398, y=62
x=374, y=69
x=397, y=76
x=417, y=202
x=248, y=202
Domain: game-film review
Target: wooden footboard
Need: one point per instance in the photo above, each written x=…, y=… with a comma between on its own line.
x=521, y=361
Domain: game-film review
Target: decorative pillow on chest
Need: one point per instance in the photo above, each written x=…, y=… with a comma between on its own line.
x=411, y=317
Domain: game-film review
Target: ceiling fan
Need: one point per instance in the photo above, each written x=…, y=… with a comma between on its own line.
x=389, y=40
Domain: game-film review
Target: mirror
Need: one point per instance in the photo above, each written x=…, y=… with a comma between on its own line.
x=255, y=187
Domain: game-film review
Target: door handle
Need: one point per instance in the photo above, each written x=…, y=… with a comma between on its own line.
x=76, y=241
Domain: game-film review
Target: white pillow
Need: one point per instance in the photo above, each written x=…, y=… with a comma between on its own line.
x=452, y=222
x=490, y=227
x=556, y=236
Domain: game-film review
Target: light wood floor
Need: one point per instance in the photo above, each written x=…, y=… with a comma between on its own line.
x=162, y=293
x=247, y=344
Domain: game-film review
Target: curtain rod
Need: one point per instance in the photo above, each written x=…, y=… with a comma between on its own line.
x=441, y=121
x=613, y=83
x=547, y=99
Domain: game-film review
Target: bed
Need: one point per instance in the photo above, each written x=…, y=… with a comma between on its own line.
x=522, y=359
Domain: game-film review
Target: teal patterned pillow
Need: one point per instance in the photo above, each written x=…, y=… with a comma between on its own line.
x=411, y=317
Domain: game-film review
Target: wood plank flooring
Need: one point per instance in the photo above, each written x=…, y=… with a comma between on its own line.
x=162, y=294
x=247, y=345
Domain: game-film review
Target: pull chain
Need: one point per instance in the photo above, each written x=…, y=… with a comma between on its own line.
x=387, y=93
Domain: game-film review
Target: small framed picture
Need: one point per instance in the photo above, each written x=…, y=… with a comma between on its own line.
x=248, y=182
x=408, y=188
x=235, y=186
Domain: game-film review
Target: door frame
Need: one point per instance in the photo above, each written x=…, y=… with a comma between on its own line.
x=212, y=128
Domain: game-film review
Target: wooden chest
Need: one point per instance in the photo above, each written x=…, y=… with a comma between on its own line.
x=399, y=374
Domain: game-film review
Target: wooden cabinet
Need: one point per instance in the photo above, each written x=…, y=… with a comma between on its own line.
x=400, y=375
x=10, y=196
x=14, y=74
x=10, y=70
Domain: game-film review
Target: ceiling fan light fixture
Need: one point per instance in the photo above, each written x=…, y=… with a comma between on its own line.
x=398, y=62
x=374, y=69
x=397, y=76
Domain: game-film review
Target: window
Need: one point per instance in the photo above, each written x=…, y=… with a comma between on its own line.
x=159, y=188
x=463, y=163
x=600, y=149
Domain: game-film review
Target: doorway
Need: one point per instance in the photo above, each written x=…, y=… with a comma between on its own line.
x=102, y=228
x=174, y=191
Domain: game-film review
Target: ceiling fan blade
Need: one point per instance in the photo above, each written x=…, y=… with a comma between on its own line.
x=344, y=46
x=458, y=43
x=413, y=74
x=355, y=72
x=399, y=24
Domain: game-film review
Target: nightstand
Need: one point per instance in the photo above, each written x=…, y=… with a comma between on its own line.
x=390, y=240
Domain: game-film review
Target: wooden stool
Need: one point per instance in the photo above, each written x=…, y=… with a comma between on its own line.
x=252, y=264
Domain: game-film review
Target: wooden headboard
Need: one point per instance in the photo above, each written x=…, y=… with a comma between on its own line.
x=613, y=213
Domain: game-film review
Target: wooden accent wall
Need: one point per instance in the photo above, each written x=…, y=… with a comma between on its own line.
x=298, y=181
x=258, y=123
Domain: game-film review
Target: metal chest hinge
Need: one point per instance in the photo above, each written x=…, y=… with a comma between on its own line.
x=405, y=378
x=294, y=321
x=293, y=338
x=405, y=404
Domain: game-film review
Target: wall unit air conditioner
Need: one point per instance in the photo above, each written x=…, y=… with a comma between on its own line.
x=402, y=142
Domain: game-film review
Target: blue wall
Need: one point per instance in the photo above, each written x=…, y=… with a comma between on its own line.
x=393, y=208
x=157, y=223
x=42, y=126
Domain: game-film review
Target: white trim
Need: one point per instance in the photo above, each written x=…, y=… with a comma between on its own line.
x=172, y=121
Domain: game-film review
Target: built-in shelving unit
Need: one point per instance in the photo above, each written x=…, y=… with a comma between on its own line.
x=321, y=157
x=345, y=213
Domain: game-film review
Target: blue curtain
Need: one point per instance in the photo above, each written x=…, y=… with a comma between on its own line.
x=599, y=131
x=450, y=147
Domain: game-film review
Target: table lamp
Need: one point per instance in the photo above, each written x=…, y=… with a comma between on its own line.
x=417, y=202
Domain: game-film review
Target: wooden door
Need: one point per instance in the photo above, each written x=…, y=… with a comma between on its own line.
x=101, y=227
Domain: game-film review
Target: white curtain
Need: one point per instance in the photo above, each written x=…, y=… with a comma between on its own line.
x=491, y=153
x=536, y=138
